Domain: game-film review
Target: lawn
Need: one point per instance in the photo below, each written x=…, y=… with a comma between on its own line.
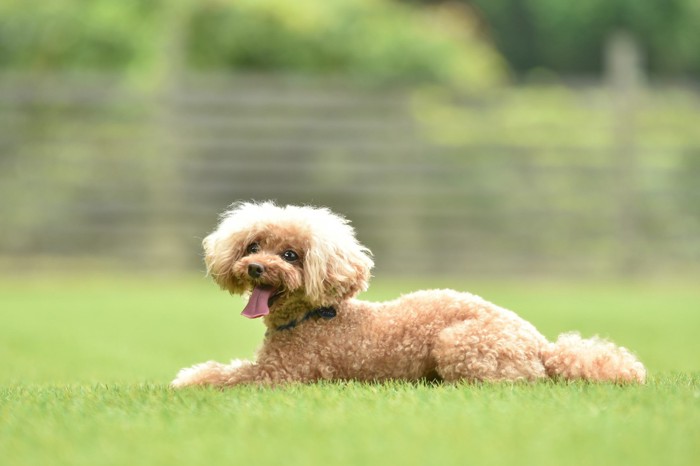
x=84, y=366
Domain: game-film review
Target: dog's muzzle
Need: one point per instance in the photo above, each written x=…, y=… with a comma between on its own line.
x=255, y=270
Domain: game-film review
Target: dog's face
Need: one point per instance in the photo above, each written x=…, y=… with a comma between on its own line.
x=284, y=254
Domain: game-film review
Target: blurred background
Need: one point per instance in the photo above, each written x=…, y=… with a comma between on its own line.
x=463, y=137
x=544, y=155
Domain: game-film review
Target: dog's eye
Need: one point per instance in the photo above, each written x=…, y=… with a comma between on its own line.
x=252, y=248
x=290, y=256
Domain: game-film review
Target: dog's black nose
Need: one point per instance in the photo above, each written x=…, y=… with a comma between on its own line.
x=255, y=270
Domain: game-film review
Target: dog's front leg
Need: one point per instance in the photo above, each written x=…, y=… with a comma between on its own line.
x=217, y=374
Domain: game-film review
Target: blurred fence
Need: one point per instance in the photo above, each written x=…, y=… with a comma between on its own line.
x=93, y=171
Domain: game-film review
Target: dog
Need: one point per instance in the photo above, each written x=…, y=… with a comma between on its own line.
x=302, y=267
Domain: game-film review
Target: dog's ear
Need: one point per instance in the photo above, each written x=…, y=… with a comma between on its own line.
x=221, y=251
x=334, y=272
x=227, y=244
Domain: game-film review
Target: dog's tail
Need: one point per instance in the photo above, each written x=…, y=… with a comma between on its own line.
x=572, y=357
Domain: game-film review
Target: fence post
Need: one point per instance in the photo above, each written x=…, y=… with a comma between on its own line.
x=624, y=79
x=167, y=248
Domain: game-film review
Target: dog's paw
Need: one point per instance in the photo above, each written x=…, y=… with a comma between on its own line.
x=195, y=375
x=206, y=373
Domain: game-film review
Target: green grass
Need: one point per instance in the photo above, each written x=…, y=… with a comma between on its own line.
x=84, y=365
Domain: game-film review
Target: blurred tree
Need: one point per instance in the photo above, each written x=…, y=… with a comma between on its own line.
x=77, y=34
x=569, y=37
x=378, y=40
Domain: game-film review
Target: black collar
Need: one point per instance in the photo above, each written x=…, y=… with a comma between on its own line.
x=321, y=312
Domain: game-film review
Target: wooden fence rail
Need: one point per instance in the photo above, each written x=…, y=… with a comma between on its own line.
x=93, y=170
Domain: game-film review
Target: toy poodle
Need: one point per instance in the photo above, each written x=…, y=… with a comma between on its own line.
x=302, y=268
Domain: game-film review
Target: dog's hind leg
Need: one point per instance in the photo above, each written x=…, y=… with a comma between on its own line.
x=496, y=349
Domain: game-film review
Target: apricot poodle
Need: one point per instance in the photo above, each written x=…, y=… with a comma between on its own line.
x=302, y=268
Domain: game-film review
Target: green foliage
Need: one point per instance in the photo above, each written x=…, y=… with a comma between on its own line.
x=78, y=34
x=360, y=38
x=560, y=150
x=556, y=116
x=570, y=36
x=84, y=363
x=374, y=40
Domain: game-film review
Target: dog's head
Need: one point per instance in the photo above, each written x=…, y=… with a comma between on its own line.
x=283, y=253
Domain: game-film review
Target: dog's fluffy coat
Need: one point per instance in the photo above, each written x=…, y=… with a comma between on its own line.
x=437, y=334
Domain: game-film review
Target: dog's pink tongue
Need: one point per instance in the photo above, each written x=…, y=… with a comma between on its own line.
x=257, y=304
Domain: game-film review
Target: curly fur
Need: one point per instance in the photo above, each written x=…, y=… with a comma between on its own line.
x=436, y=334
